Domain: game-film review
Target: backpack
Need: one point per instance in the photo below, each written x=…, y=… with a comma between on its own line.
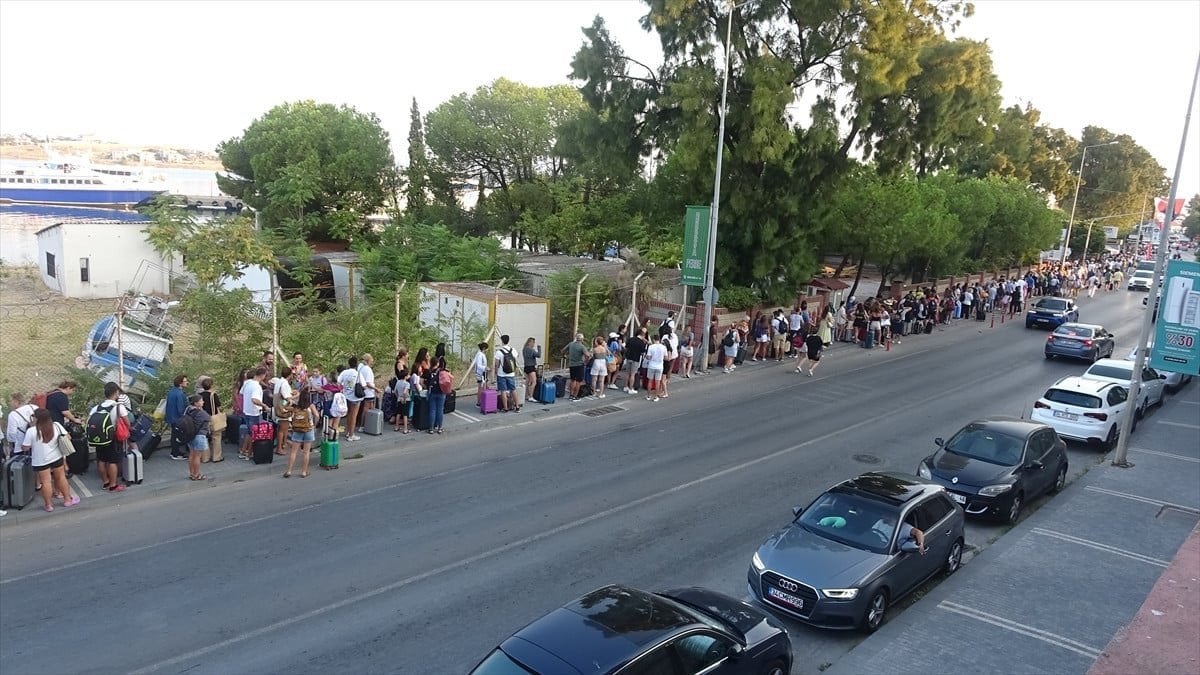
x=446, y=381
x=728, y=341
x=39, y=400
x=302, y=420
x=185, y=429
x=509, y=362
x=100, y=431
x=338, y=408
x=664, y=328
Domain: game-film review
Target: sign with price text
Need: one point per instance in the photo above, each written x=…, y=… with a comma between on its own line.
x=695, y=245
x=1177, y=336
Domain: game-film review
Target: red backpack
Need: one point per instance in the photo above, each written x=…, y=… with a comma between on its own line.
x=446, y=381
x=39, y=400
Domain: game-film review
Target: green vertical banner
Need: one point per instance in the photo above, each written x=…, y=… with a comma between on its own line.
x=695, y=245
x=1177, y=335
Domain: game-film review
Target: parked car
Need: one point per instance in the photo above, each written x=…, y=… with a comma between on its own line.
x=1157, y=300
x=1079, y=409
x=618, y=629
x=840, y=563
x=1171, y=380
x=996, y=465
x=1051, y=313
x=1153, y=388
x=1080, y=341
x=1141, y=280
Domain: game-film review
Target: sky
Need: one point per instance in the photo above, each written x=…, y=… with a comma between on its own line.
x=195, y=73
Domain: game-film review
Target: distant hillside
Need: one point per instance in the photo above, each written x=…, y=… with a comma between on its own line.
x=117, y=153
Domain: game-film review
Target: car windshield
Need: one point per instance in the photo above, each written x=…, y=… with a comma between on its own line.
x=1073, y=331
x=1114, y=372
x=985, y=444
x=852, y=520
x=499, y=663
x=1051, y=303
x=1075, y=398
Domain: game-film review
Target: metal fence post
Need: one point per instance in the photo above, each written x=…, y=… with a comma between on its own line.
x=578, y=291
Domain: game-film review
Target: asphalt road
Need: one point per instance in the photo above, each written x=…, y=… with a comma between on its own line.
x=421, y=560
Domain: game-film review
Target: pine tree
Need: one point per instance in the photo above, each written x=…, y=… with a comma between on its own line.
x=415, y=198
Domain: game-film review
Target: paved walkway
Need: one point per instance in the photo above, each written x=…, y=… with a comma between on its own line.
x=1102, y=559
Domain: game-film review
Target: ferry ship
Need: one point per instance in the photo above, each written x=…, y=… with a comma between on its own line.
x=74, y=182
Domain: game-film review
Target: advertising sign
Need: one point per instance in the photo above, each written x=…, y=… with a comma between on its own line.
x=1177, y=336
x=695, y=246
x=1110, y=233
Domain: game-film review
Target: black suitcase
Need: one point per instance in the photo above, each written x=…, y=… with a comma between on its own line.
x=233, y=430
x=141, y=426
x=451, y=402
x=420, y=418
x=741, y=356
x=77, y=463
x=148, y=444
x=560, y=386
x=264, y=451
x=928, y=327
x=980, y=313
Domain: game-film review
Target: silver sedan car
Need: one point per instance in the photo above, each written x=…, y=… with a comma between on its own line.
x=1173, y=381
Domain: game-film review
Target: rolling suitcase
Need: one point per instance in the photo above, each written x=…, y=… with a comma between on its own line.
x=18, y=481
x=140, y=427
x=78, y=462
x=741, y=356
x=131, y=466
x=373, y=422
x=420, y=418
x=519, y=394
x=451, y=402
x=331, y=454
x=487, y=401
x=262, y=444
x=148, y=444
x=560, y=386
x=980, y=312
x=545, y=392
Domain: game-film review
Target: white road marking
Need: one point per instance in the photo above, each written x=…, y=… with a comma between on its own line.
x=1100, y=547
x=483, y=555
x=1189, y=402
x=83, y=489
x=1022, y=629
x=1144, y=500
x=1185, y=425
x=465, y=416
x=1166, y=454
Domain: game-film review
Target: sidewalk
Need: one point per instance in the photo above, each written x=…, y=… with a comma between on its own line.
x=1053, y=592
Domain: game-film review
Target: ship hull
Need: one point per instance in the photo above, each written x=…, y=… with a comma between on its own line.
x=108, y=196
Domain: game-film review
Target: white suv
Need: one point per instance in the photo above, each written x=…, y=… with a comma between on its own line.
x=1141, y=280
x=1083, y=410
x=1120, y=371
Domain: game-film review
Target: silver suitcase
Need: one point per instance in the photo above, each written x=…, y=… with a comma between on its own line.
x=373, y=422
x=131, y=466
x=18, y=481
x=519, y=395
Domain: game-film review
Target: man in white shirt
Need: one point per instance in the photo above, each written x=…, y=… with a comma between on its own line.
x=252, y=407
x=367, y=377
x=282, y=396
x=348, y=378
x=19, y=421
x=656, y=354
x=505, y=360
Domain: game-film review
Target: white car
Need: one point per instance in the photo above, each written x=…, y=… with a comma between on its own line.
x=1140, y=281
x=1120, y=371
x=1088, y=411
x=1172, y=381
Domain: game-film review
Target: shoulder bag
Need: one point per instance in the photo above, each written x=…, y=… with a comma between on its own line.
x=65, y=447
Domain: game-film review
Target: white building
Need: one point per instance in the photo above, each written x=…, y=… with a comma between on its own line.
x=463, y=311
x=101, y=259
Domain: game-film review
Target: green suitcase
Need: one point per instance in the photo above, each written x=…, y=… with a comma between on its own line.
x=330, y=454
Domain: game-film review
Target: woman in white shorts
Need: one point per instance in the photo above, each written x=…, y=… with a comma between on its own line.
x=599, y=367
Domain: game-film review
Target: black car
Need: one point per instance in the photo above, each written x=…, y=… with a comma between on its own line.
x=994, y=466
x=624, y=631
x=843, y=560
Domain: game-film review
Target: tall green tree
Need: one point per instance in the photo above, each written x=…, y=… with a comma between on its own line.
x=1116, y=179
x=416, y=180
x=1191, y=224
x=318, y=167
x=1023, y=148
x=211, y=251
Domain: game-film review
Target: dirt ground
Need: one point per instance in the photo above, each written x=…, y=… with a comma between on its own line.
x=41, y=333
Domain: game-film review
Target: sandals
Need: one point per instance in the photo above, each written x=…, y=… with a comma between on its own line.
x=200, y=477
x=304, y=474
x=287, y=474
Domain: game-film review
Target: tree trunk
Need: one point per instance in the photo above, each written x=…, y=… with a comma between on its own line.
x=858, y=275
x=883, y=277
x=842, y=265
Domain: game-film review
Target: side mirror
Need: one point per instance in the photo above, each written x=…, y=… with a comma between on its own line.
x=734, y=651
x=938, y=441
x=1035, y=465
x=910, y=546
x=1162, y=376
x=797, y=510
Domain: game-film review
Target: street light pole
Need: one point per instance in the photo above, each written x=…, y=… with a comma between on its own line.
x=1062, y=261
x=710, y=262
x=1121, y=458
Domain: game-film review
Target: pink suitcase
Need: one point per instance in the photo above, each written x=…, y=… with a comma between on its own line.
x=487, y=403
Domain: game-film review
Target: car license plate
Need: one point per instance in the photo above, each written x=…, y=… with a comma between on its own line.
x=1066, y=415
x=790, y=599
x=959, y=498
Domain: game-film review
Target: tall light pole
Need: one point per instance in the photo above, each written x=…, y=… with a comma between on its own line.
x=1062, y=261
x=710, y=262
x=1122, y=455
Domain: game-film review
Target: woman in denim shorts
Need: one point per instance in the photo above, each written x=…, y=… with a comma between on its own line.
x=304, y=418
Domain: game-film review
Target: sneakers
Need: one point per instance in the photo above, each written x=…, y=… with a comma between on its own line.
x=613, y=387
x=3, y=513
x=656, y=398
x=601, y=395
x=798, y=369
x=810, y=374
x=180, y=457
x=627, y=390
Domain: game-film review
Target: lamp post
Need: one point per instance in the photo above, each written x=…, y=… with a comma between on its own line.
x=710, y=261
x=1062, y=261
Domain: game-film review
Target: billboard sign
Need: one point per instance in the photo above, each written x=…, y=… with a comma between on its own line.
x=695, y=245
x=1177, y=336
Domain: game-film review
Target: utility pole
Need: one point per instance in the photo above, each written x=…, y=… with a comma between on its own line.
x=120, y=348
x=578, y=292
x=1121, y=459
x=274, y=324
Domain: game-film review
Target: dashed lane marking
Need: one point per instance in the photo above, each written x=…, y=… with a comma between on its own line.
x=1166, y=454
x=1101, y=547
x=465, y=417
x=1145, y=500
x=83, y=489
x=1185, y=425
x=1022, y=629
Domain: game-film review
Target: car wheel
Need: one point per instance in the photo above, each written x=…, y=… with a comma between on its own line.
x=1014, y=511
x=874, y=614
x=776, y=667
x=1060, y=481
x=1049, y=356
x=1095, y=356
x=1140, y=412
x=954, y=560
x=1110, y=442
